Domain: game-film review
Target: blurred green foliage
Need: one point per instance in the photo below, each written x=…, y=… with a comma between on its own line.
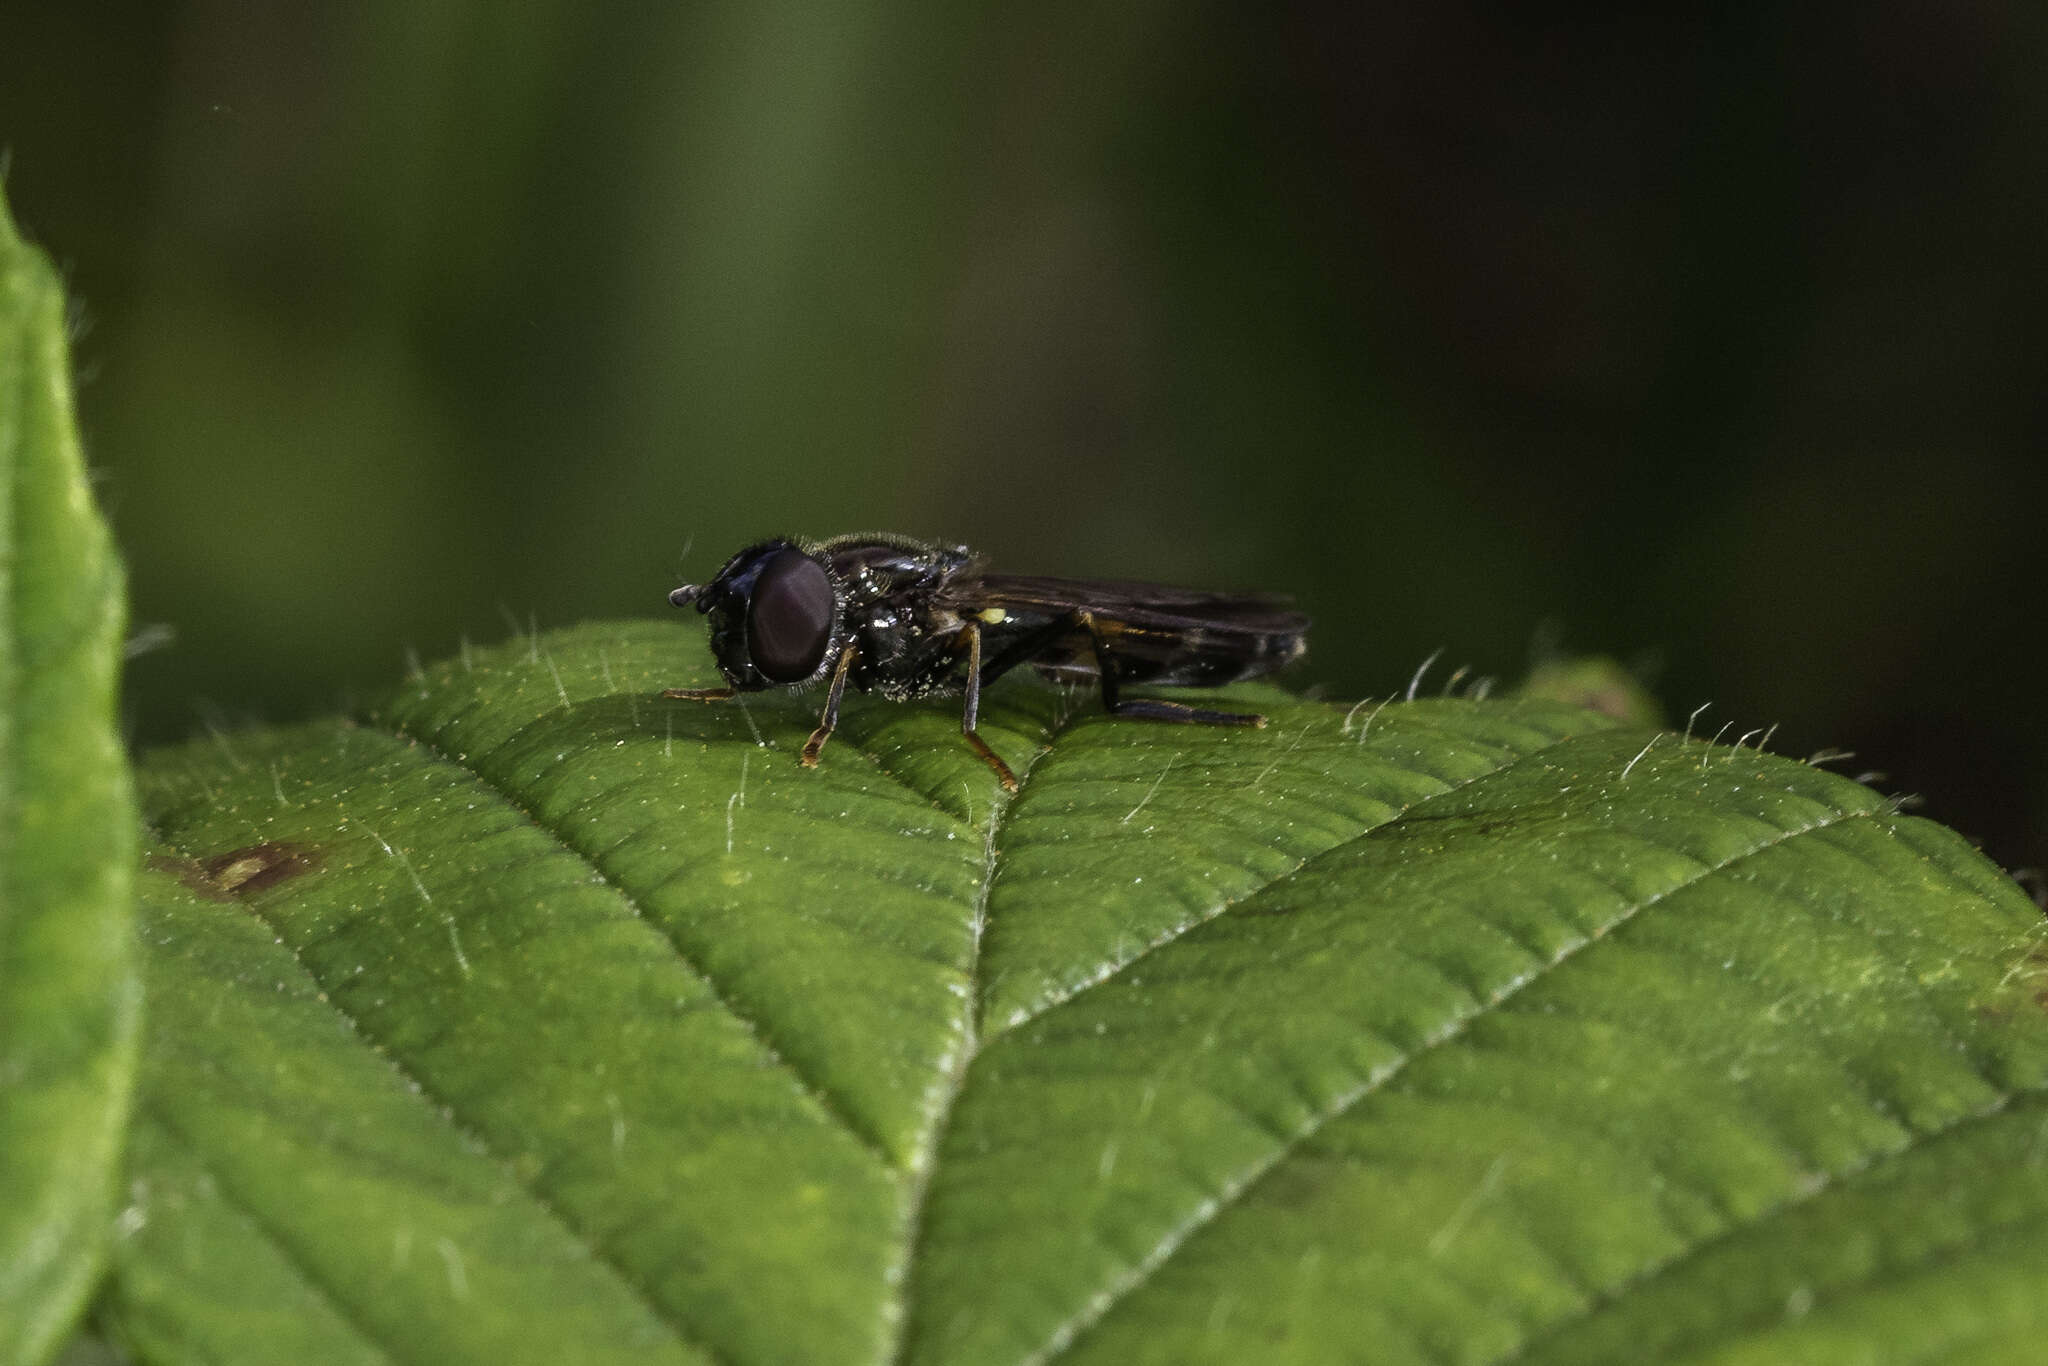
x=70, y=995
x=1703, y=338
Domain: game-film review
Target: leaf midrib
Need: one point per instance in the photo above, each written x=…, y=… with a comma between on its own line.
x=926, y=1153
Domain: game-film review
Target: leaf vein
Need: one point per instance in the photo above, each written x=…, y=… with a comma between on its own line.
x=1224, y=907
x=1236, y=1187
x=275, y=1237
x=448, y=1113
x=1790, y=1205
x=815, y=1090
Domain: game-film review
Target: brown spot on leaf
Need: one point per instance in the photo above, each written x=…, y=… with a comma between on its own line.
x=223, y=877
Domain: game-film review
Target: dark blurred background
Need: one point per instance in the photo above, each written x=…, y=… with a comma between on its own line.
x=1714, y=343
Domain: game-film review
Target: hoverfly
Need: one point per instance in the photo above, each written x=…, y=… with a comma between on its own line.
x=908, y=620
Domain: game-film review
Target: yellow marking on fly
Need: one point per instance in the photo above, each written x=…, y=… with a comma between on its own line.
x=992, y=616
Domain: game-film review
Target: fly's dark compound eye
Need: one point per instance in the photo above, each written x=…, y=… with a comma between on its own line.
x=789, y=621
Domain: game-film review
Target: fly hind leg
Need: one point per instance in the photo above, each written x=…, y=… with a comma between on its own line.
x=1153, y=708
x=1157, y=709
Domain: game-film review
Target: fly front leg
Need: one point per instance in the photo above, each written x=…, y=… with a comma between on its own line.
x=972, y=715
x=816, y=744
x=1152, y=708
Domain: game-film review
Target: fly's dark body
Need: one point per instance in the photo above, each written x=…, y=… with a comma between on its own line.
x=908, y=620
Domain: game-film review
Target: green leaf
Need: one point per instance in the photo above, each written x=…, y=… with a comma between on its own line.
x=539, y=1019
x=68, y=987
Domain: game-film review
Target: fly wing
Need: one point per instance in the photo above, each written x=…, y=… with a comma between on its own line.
x=1149, y=605
x=1151, y=633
